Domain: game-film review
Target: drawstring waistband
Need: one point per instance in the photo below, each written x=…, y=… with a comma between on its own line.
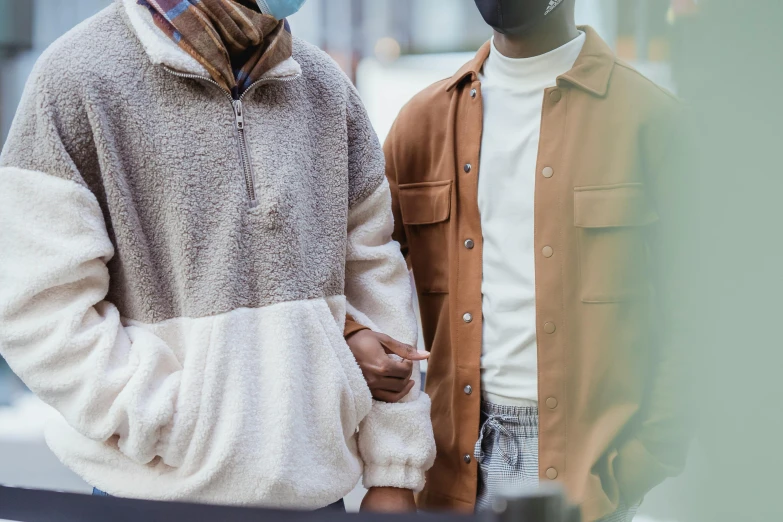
x=494, y=426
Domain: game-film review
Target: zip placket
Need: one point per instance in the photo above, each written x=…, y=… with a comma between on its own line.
x=239, y=125
x=244, y=152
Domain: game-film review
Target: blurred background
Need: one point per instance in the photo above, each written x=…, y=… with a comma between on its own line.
x=723, y=57
x=390, y=48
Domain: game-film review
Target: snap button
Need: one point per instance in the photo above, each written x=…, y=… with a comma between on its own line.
x=556, y=95
x=551, y=403
x=547, y=251
x=549, y=327
x=468, y=389
x=551, y=473
x=468, y=167
x=469, y=244
x=473, y=93
x=466, y=458
x=548, y=172
x=468, y=318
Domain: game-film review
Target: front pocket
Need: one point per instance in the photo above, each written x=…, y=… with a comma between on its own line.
x=356, y=401
x=426, y=209
x=612, y=223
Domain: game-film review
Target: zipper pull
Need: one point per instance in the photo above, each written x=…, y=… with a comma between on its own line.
x=239, y=113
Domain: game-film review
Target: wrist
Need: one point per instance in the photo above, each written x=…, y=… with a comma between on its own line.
x=352, y=333
x=389, y=500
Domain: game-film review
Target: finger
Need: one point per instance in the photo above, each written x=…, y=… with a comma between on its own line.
x=384, y=396
x=398, y=369
x=391, y=384
x=404, y=392
x=390, y=397
x=405, y=351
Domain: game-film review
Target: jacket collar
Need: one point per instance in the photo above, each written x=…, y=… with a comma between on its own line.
x=161, y=50
x=472, y=68
x=591, y=71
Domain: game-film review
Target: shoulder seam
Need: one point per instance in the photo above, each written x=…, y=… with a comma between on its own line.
x=366, y=193
x=79, y=184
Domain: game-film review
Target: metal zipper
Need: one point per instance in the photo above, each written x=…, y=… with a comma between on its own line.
x=244, y=152
x=239, y=125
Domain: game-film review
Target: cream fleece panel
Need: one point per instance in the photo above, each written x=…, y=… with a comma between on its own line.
x=267, y=414
x=57, y=332
x=395, y=440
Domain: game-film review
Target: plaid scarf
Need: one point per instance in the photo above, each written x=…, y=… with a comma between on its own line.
x=234, y=42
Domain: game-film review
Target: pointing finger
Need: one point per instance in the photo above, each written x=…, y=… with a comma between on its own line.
x=403, y=350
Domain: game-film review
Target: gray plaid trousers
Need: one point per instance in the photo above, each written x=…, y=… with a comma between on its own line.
x=507, y=455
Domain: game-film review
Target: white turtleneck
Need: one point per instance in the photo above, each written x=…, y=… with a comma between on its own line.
x=513, y=94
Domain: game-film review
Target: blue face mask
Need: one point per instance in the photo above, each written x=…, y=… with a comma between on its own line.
x=280, y=8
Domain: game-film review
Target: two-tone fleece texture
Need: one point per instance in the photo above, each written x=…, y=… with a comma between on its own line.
x=192, y=342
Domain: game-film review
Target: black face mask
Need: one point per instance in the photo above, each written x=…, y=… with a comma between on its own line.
x=516, y=16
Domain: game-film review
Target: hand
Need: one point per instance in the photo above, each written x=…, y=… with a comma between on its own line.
x=389, y=380
x=389, y=500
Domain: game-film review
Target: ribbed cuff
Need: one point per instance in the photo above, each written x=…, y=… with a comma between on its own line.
x=393, y=476
x=397, y=445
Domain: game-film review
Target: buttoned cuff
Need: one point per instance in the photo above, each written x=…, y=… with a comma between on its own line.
x=394, y=476
x=351, y=326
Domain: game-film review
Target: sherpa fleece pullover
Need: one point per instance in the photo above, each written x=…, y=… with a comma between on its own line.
x=176, y=268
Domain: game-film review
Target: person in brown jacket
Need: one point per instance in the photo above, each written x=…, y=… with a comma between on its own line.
x=532, y=195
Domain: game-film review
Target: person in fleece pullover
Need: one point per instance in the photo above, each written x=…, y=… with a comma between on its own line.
x=191, y=203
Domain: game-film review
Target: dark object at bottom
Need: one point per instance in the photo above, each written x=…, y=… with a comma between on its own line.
x=338, y=506
x=24, y=505
x=547, y=504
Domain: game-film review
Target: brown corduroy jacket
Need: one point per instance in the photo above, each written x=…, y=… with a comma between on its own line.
x=610, y=372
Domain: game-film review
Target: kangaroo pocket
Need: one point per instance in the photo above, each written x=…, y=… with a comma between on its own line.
x=273, y=391
x=612, y=223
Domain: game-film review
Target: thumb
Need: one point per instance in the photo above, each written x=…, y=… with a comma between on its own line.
x=403, y=350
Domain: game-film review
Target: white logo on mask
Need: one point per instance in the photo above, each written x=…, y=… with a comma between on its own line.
x=552, y=5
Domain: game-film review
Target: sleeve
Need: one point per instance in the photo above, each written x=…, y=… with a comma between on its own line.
x=398, y=235
x=395, y=440
x=390, y=149
x=57, y=331
x=658, y=449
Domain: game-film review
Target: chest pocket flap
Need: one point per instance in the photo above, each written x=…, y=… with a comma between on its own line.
x=425, y=209
x=609, y=206
x=613, y=251
x=425, y=203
